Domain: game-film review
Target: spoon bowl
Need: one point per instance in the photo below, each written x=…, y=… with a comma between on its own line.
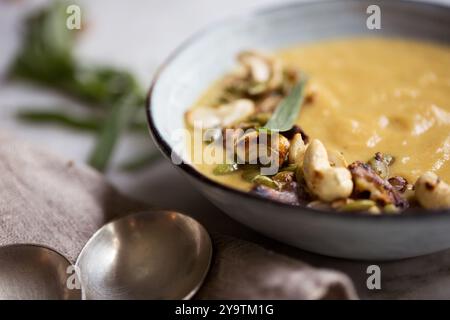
x=31, y=272
x=148, y=255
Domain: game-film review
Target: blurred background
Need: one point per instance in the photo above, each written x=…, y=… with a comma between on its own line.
x=135, y=36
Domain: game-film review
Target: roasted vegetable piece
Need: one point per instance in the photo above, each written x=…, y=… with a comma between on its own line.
x=368, y=184
x=399, y=183
x=287, y=195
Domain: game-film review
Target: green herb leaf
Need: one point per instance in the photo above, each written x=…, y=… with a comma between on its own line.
x=59, y=118
x=46, y=54
x=47, y=58
x=89, y=123
x=287, y=111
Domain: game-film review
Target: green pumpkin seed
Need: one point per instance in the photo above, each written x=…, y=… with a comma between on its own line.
x=380, y=167
x=291, y=168
x=266, y=181
x=284, y=177
x=390, y=208
x=388, y=159
x=380, y=164
x=225, y=168
x=249, y=174
x=358, y=205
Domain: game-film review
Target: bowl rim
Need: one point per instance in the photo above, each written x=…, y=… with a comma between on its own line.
x=166, y=149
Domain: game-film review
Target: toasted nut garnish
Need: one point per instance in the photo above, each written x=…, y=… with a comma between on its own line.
x=431, y=192
x=358, y=205
x=266, y=181
x=284, y=177
x=254, y=147
x=235, y=111
x=326, y=182
x=257, y=64
x=369, y=184
x=225, y=115
x=203, y=118
x=297, y=150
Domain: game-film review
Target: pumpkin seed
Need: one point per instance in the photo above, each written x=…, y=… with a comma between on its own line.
x=250, y=174
x=358, y=205
x=225, y=168
x=390, y=208
x=266, y=181
x=284, y=177
x=291, y=168
x=380, y=167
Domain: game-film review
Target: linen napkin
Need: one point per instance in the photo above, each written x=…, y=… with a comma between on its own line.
x=51, y=201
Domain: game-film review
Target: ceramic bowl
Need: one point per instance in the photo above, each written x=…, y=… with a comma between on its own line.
x=209, y=54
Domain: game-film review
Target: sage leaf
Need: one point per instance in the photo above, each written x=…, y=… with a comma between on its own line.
x=287, y=110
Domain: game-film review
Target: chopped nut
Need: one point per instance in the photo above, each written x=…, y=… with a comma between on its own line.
x=262, y=147
x=297, y=150
x=326, y=182
x=223, y=116
x=431, y=192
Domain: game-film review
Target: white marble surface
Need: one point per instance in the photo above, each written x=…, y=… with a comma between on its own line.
x=139, y=35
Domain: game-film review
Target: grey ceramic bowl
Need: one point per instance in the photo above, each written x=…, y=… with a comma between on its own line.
x=209, y=54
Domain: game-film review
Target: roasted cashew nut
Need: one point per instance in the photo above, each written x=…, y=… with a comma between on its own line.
x=223, y=116
x=264, y=147
x=431, y=192
x=297, y=150
x=326, y=182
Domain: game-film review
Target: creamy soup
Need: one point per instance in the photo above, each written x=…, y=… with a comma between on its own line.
x=372, y=95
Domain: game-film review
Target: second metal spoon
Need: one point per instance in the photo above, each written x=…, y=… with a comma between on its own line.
x=149, y=255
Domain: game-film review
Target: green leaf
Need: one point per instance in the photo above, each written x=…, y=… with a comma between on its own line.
x=46, y=54
x=287, y=111
x=47, y=58
x=114, y=125
x=59, y=118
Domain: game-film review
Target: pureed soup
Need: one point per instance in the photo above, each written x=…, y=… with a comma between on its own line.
x=378, y=108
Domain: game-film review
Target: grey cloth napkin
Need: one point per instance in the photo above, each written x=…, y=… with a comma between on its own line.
x=48, y=200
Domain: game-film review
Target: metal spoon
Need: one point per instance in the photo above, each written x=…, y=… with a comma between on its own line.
x=31, y=272
x=149, y=255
